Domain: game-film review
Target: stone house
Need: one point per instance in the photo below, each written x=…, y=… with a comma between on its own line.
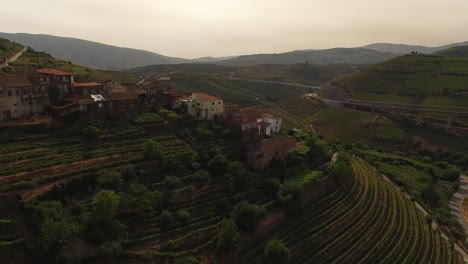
x=260, y=155
x=29, y=93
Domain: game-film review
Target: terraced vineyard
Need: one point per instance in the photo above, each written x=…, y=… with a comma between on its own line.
x=32, y=166
x=365, y=221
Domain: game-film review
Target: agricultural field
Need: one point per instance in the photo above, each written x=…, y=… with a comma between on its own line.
x=240, y=92
x=296, y=111
x=296, y=73
x=343, y=124
x=417, y=79
x=430, y=180
x=366, y=220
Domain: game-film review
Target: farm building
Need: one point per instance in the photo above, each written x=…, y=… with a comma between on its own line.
x=201, y=105
x=25, y=94
x=262, y=153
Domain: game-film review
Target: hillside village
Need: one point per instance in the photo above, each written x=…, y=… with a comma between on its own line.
x=55, y=94
x=202, y=168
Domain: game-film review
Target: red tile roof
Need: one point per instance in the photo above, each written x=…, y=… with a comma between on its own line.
x=86, y=84
x=268, y=115
x=16, y=80
x=53, y=71
x=278, y=144
x=207, y=97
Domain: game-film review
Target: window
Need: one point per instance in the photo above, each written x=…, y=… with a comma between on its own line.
x=219, y=102
x=10, y=93
x=212, y=103
x=2, y=93
x=17, y=92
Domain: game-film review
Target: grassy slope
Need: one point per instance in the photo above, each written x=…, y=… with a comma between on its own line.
x=8, y=49
x=32, y=60
x=459, y=51
x=438, y=79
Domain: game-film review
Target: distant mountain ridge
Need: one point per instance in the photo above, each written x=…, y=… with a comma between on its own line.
x=404, y=49
x=107, y=57
x=89, y=53
x=327, y=56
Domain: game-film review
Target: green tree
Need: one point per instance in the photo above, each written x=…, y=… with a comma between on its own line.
x=319, y=151
x=152, y=150
x=228, y=235
x=110, y=180
x=246, y=215
x=238, y=176
x=276, y=252
x=452, y=173
x=184, y=216
x=218, y=165
x=92, y=131
x=166, y=219
x=171, y=182
x=201, y=177
x=57, y=229
x=102, y=225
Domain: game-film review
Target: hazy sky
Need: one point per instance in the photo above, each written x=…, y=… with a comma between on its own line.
x=195, y=28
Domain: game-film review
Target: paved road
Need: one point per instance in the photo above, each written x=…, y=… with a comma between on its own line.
x=273, y=82
x=13, y=58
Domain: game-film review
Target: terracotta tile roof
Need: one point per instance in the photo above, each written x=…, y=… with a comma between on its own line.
x=282, y=144
x=53, y=71
x=207, y=97
x=17, y=80
x=86, y=84
x=249, y=111
x=268, y=115
x=80, y=99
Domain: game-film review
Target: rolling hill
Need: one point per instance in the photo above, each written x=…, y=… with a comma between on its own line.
x=328, y=56
x=458, y=51
x=91, y=54
x=31, y=59
x=295, y=73
x=403, y=49
x=416, y=79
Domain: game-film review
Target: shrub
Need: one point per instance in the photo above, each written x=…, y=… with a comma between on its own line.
x=92, y=132
x=276, y=252
x=171, y=182
x=166, y=218
x=201, y=177
x=152, y=150
x=111, y=249
x=228, y=235
x=218, y=165
x=110, y=180
x=184, y=217
x=246, y=215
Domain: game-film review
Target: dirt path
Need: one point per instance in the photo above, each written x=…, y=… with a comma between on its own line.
x=458, y=206
x=13, y=58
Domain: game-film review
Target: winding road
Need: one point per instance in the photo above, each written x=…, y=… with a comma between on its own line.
x=13, y=58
